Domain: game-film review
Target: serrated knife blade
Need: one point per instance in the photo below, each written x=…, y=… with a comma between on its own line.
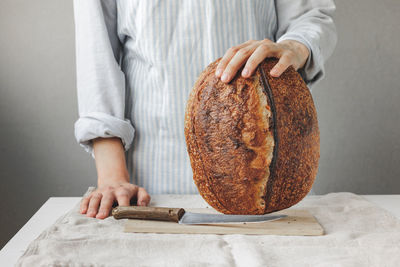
x=205, y=218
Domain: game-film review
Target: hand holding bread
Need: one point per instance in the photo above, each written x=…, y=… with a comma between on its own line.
x=252, y=53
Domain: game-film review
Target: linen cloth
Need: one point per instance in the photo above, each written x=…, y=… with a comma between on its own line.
x=138, y=60
x=358, y=233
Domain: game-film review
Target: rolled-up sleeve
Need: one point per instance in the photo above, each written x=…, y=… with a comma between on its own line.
x=309, y=22
x=100, y=80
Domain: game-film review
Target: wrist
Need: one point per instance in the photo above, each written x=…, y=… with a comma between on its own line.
x=110, y=161
x=112, y=180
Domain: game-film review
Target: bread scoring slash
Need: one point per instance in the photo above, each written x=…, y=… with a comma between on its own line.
x=253, y=143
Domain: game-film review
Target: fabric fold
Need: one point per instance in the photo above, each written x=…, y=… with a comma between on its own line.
x=97, y=124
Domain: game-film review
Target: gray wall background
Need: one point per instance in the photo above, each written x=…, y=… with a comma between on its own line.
x=357, y=106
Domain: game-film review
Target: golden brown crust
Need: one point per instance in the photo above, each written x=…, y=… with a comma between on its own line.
x=199, y=176
x=298, y=138
x=230, y=141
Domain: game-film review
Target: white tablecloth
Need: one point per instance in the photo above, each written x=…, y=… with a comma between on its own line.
x=358, y=233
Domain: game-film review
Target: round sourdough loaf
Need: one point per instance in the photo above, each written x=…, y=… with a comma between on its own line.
x=253, y=143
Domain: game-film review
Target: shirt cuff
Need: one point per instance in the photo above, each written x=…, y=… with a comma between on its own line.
x=313, y=70
x=97, y=124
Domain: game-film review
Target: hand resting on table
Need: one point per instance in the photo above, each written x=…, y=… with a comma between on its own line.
x=113, y=181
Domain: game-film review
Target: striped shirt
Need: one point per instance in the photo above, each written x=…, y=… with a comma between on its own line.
x=138, y=60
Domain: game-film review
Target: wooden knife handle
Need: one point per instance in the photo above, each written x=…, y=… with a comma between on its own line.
x=148, y=213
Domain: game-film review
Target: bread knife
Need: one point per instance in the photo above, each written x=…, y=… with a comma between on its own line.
x=181, y=216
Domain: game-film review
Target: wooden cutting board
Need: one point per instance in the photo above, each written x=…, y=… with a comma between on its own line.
x=298, y=223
